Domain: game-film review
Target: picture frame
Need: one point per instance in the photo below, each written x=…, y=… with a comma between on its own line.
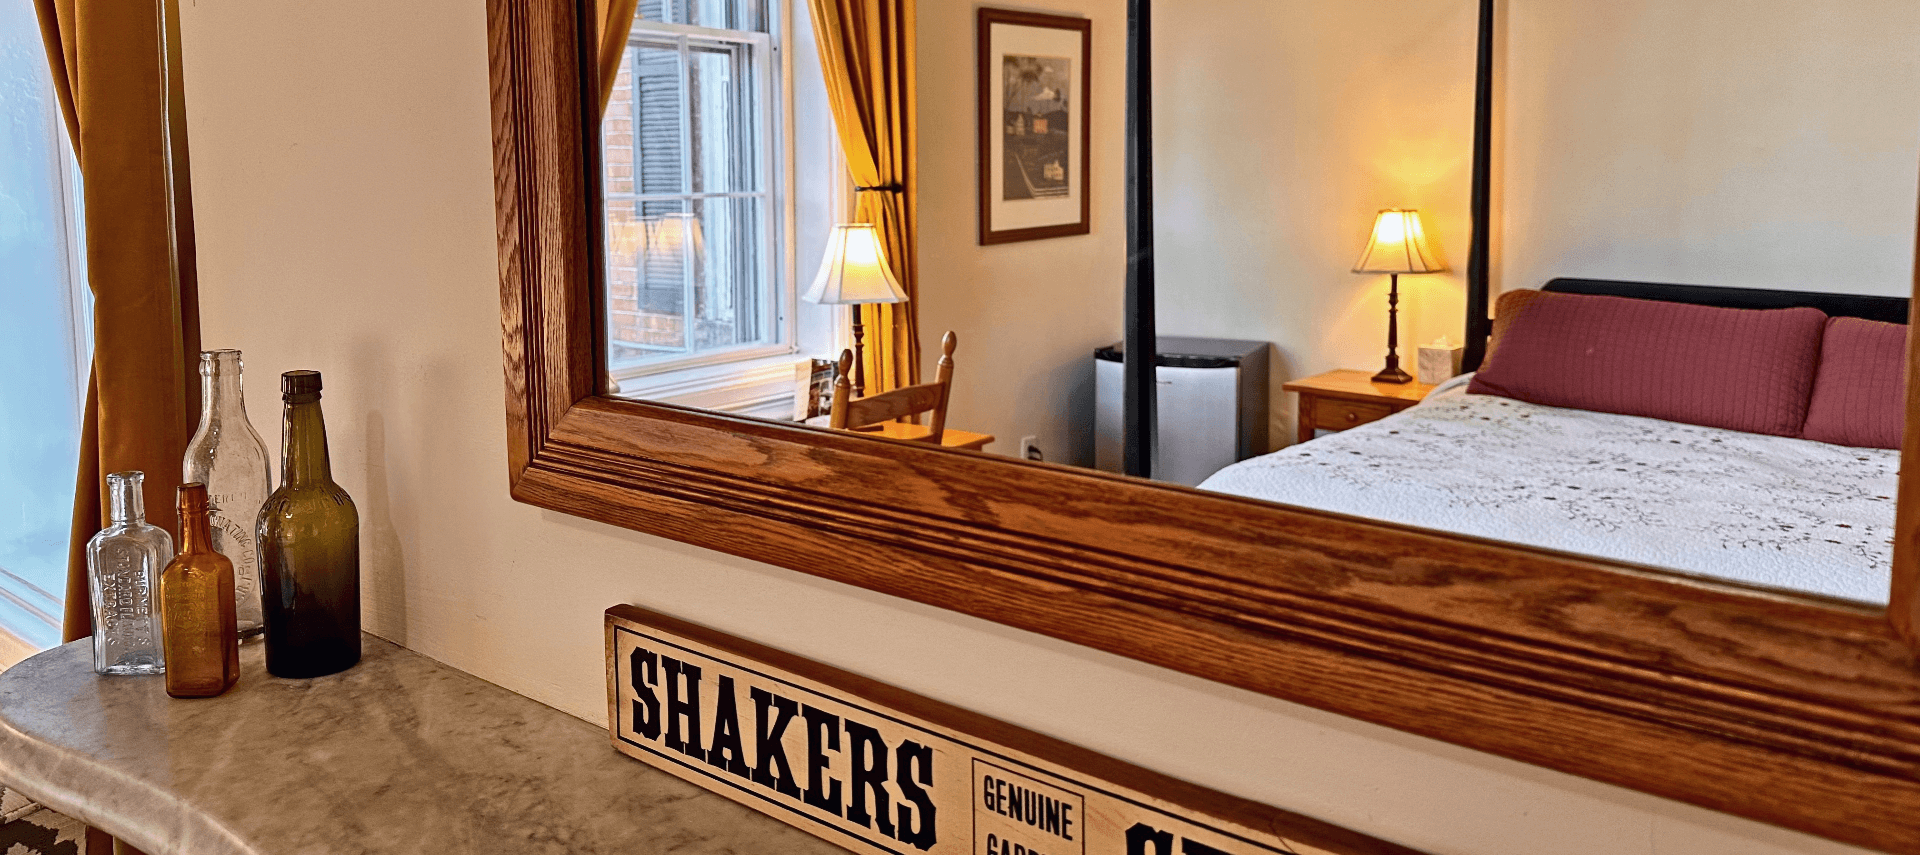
x=1034, y=124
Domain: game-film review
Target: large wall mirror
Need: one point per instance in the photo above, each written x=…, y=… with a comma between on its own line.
x=1653, y=539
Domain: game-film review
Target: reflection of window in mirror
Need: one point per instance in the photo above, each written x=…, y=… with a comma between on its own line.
x=718, y=162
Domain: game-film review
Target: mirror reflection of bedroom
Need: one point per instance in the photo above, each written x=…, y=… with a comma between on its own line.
x=1700, y=222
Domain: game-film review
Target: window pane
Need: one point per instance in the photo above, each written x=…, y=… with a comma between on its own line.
x=652, y=253
x=40, y=400
x=726, y=144
x=732, y=303
x=659, y=153
x=749, y=15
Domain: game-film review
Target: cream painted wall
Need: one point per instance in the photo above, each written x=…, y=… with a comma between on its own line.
x=344, y=214
x=1754, y=143
x=1280, y=133
x=1029, y=315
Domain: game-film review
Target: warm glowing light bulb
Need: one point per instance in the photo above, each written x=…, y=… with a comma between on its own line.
x=863, y=246
x=1398, y=245
x=1391, y=228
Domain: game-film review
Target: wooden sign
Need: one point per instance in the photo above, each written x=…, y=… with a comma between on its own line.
x=877, y=769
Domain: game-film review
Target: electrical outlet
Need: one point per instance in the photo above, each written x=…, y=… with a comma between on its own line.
x=1029, y=451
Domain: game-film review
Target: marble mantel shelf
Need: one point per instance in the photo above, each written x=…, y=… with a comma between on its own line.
x=401, y=754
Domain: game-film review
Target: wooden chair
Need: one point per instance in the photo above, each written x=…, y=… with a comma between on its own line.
x=848, y=414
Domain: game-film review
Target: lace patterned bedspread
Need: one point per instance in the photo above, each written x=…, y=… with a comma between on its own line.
x=1764, y=510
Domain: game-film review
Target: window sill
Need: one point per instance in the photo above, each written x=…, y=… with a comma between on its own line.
x=762, y=388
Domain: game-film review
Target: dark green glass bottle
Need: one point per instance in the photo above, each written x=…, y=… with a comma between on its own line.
x=309, y=548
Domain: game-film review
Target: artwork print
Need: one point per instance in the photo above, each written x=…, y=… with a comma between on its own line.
x=1035, y=126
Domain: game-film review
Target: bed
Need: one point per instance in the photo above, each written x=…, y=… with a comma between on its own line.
x=1778, y=512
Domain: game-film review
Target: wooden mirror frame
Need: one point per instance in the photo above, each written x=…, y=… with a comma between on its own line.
x=1781, y=708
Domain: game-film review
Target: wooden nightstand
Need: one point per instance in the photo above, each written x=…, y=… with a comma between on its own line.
x=1341, y=399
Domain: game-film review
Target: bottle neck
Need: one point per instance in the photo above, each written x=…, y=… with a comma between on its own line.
x=126, y=504
x=220, y=392
x=303, y=459
x=195, y=534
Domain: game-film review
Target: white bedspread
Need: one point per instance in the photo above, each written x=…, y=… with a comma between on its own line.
x=1765, y=510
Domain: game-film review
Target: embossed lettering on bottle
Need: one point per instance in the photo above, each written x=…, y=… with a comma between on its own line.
x=228, y=456
x=123, y=561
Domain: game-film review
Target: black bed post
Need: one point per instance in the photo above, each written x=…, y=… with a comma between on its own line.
x=1142, y=346
x=1479, y=324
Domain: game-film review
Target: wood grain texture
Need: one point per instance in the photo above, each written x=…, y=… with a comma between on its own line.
x=1785, y=709
x=1346, y=398
x=1359, y=386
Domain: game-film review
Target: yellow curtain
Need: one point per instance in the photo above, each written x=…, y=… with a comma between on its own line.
x=866, y=51
x=615, y=19
x=116, y=75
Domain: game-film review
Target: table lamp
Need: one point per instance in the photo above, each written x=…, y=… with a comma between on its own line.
x=1398, y=245
x=854, y=273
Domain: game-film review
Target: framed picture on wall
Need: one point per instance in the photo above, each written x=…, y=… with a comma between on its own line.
x=1034, y=133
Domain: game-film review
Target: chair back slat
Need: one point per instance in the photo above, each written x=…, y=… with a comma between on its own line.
x=848, y=414
x=897, y=404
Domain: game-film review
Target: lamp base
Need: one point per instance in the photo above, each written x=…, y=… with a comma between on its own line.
x=1392, y=374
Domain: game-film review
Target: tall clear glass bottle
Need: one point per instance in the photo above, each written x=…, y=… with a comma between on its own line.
x=123, y=570
x=228, y=456
x=309, y=548
x=196, y=607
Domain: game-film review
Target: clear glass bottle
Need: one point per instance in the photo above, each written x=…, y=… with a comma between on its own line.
x=309, y=548
x=196, y=607
x=228, y=456
x=123, y=569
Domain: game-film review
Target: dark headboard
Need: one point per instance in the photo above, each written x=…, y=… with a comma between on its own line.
x=1889, y=309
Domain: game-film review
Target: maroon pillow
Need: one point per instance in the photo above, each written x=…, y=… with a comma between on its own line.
x=1860, y=394
x=1740, y=369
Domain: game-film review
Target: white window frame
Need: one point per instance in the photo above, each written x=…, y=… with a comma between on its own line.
x=776, y=97
x=42, y=606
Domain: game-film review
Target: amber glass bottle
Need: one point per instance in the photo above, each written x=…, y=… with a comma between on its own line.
x=197, y=624
x=309, y=548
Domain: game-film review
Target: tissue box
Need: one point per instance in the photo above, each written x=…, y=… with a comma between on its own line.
x=1439, y=364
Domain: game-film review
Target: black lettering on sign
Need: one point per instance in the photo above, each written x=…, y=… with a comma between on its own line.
x=683, y=707
x=725, y=751
x=646, y=705
x=1142, y=836
x=1143, y=839
x=696, y=713
x=1016, y=814
x=1030, y=806
x=996, y=846
x=773, y=771
x=867, y=773
x=913, y=773
x=823, y=735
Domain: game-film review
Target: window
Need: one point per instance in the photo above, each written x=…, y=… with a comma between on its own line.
x=45, y=333
x=691, y=139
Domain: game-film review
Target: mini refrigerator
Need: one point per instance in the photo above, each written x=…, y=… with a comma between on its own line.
x=1212, y=406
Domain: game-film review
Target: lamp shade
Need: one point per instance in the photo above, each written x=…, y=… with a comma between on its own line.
x=1398, y=245
x=854, y=270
